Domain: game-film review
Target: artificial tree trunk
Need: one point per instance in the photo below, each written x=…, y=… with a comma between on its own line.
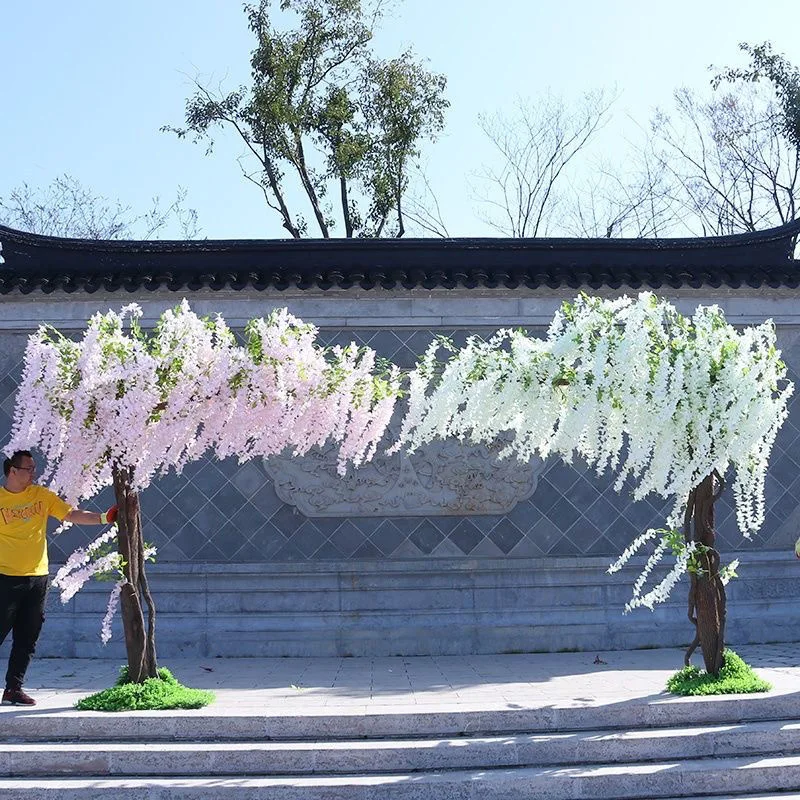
x=707, y=602
x=140, y=644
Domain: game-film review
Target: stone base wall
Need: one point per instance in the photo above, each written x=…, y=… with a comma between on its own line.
x=418, y=607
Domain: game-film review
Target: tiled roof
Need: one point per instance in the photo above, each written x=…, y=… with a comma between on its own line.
x=33, y=262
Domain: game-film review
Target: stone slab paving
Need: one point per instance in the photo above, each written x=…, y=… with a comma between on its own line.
x=268, y=703
x=368, y=686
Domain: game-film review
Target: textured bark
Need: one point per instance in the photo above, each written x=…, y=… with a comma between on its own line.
x=139, y=644
x=707, y=601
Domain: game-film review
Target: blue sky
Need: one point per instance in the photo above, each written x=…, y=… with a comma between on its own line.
x=86, y=85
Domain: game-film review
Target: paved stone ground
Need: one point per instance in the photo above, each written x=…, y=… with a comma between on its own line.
x=362, y=686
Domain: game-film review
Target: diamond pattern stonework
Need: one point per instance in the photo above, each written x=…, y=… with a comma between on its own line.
x=237, y=513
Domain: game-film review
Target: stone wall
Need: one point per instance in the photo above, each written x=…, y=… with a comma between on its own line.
x=447, y=505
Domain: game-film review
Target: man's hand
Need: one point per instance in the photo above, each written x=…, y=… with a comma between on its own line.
x=107, y=517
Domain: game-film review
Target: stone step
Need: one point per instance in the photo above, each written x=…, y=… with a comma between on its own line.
x=384, y=623
x=407, y=720
x=599, y=602
x=339, y=586
x=119, y=759
x=444, y=641
x=380, y=632
x=332, y=580
x=661, y=779
x=746, y=796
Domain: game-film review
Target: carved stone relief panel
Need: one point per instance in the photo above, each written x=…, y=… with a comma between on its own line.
x=443, y=478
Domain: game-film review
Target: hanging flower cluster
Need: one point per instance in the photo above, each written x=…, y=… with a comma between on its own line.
x=628, y=385
x=151, y=402
x=98, y=560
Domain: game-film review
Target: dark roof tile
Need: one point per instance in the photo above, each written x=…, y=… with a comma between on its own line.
x=72, y=265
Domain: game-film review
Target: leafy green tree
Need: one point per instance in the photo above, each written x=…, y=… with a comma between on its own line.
x=346, y=125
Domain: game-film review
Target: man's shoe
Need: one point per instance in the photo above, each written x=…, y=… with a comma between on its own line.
x=16, y=697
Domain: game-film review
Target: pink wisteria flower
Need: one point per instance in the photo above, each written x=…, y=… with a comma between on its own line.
x=149, y=402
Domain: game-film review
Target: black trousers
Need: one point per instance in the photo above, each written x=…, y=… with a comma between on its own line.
x=22, y=600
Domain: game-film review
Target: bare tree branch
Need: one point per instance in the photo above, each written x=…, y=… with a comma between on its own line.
x=536, y=147
x=732, y=166
x=424, y=211
x=66, y=208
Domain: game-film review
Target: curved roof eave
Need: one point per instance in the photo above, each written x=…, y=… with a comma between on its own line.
x=36, y=262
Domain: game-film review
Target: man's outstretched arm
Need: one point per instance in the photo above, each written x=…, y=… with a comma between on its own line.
x=81, y=517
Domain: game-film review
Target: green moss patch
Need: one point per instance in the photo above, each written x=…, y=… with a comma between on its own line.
x=155, y=694
x=735, y=677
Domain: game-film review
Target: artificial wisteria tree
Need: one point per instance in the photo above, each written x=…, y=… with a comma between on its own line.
x=668, y=403
x=121, y=406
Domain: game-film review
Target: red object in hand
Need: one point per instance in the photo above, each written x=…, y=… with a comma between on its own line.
x=109, y=516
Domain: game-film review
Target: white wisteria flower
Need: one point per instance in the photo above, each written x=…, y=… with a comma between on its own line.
x=629, y=385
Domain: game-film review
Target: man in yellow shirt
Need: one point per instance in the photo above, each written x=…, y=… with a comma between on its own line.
x=24, y=511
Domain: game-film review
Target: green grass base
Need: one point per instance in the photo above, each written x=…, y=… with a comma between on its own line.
x=735, y=677
x=155, y=694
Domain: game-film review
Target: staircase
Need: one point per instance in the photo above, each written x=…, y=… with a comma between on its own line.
x=656, y=748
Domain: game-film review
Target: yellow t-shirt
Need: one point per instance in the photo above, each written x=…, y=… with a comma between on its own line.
x=23, y=529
